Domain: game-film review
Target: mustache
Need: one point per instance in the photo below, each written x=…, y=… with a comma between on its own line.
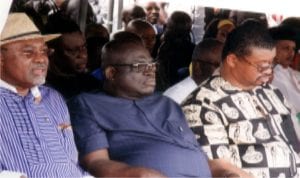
x=40, y=65
x=264, y=76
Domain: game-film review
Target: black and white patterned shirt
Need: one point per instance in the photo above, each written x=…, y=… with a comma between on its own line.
x=251, y=129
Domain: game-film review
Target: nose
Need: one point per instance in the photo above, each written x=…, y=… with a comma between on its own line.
x=268, y=71
x=82, y=54
x=150, y=69
x=41, y=56
x=292, y=53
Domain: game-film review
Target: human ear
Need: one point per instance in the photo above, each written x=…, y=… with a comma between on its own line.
x=231, y=60
x=196, y=69
x=110, y=73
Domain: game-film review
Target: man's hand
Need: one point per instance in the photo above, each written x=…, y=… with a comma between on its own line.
x=99, y=165
x=223, y=168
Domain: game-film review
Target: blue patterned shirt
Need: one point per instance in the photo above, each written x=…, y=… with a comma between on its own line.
x=35, y=136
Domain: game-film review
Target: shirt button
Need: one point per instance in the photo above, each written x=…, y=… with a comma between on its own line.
x=47, y=119
x=181, y=129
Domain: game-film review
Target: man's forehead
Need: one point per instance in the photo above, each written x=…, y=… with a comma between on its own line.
x=262, y=54
x=25, y=43
x=133, y=52
x=72, y=36
x=151, y=4
x=286, y=42
x=73, y=39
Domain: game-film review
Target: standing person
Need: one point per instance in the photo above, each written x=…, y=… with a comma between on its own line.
x=35, y=133
x=237, y=116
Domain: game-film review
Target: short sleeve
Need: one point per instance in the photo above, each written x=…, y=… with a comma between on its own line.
x=89, y=136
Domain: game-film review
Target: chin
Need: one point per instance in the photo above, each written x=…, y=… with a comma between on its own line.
x=148, y=91
x=39, y=81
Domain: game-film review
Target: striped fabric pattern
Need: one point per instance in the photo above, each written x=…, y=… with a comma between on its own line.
x=32, y=141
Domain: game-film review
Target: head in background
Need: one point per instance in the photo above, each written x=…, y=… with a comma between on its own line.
x=247, y=56
x=206, y=58
x=179, y=25
x=294, y=23
x=219, y=29
x=127, y=36
x=144, y=30
x=131, y=13
x=70, y=56
x=152, y=9
x=285, y=38
x=96, y=36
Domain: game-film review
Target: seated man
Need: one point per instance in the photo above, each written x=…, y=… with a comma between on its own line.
x=206, y=59
x=286, y=78
x=35, y=135
x=237, y=116
x=128, y=130
x=68, y=72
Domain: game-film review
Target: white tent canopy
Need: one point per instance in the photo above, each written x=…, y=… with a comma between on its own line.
x=4, y=8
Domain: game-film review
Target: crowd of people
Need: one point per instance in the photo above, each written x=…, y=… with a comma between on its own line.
x=147, y=101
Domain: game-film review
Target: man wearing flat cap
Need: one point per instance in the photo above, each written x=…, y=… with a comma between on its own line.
x=286, y=78
x=36, y=139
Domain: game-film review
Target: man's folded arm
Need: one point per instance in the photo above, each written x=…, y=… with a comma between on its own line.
x=99, y=165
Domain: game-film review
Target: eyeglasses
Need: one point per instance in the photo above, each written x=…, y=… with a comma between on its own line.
x=139, y=67
x=260, y=67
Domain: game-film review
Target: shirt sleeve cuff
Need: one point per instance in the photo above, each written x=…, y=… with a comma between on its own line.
x=93, y=143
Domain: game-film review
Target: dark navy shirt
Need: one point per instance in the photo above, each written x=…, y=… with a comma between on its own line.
x=151, y=132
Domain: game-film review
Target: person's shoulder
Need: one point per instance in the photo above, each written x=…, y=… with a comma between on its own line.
x=208, y=90
x=181, y=90
x=91, y=99
x=49, y=91
x=93, y=95
x=162, y=99
x=155, y=97
x=173, y=89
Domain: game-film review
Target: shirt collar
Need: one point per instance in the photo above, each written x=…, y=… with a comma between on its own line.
x=34, y=90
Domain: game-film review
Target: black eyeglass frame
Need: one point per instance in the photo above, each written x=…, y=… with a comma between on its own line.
x=259, y=68
x=138, y=67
